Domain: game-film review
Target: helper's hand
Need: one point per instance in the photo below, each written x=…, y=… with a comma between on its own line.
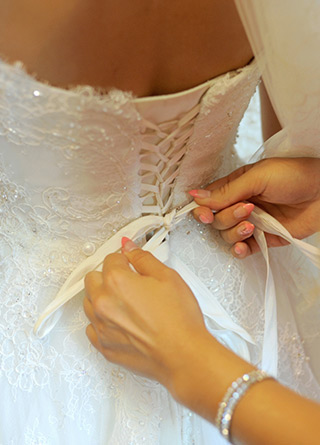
x=150, y=322
x=145, y=321
x=287, y=188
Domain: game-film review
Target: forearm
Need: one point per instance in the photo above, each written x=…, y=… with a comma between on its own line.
x=207, y=370
x=267, y=414
x=270, y=413
x=149, y=321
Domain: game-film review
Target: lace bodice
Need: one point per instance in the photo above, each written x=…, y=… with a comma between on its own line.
x=78, y=165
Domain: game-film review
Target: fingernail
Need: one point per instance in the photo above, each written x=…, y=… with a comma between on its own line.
x=237, y=250
x=127, y=244
x=246, y=229
x=242, y=211
x=199, y=193
x=204, y=219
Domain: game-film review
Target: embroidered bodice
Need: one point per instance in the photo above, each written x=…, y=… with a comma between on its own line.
x=77, y=166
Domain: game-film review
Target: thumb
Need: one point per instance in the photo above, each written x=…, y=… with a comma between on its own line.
x=240, y=185
x=143, y=262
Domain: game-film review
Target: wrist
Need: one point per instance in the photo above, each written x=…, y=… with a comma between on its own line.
x=186, y=365
x=203, y=373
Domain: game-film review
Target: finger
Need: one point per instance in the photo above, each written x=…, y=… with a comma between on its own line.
x=106, y=337
x=92, y=336
x=238, y=233
x=116, y=271
x=116, y=261
x=231, y=216
x=240, y=185
x=203, y=215
x=144, y=262
x=96, y=309
x=230, y=177
x=250, y=246
x=96, y=303
x=92, y=282
x=242, y=250
x=224, y=180
x=275, y=241
x=88, y=310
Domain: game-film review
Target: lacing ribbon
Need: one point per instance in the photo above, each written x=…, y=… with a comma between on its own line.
x=168, y=151
x=266, y=223
x=229, y=332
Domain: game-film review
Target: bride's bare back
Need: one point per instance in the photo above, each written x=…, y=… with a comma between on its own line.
x=146, y=46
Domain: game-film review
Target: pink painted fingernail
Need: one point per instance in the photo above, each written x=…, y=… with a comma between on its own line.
x=199, y=193
x=246, y=229
x=127, y=244
x=242, y=211
x=205, y=220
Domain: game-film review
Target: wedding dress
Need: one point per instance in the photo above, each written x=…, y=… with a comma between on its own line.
x=76, y=168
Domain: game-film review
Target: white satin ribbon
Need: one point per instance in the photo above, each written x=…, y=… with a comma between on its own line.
x=134, y=230
x=232, y=334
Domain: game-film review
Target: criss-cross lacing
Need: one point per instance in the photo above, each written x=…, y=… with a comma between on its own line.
x=163, y=148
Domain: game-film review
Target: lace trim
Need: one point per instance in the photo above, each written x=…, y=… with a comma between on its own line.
x=19, y=68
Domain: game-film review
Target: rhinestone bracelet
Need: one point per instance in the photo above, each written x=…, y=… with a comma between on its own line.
x=232, y=397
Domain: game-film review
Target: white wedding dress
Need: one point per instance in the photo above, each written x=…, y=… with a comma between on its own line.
x=76, y=167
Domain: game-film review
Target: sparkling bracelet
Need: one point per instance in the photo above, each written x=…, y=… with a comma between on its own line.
x=232, y=397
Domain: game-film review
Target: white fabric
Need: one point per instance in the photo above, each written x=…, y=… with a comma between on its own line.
x=285, y=37
x=76, y=168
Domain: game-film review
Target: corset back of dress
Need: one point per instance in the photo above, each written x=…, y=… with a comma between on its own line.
x=68, y=152
x=76, y=166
